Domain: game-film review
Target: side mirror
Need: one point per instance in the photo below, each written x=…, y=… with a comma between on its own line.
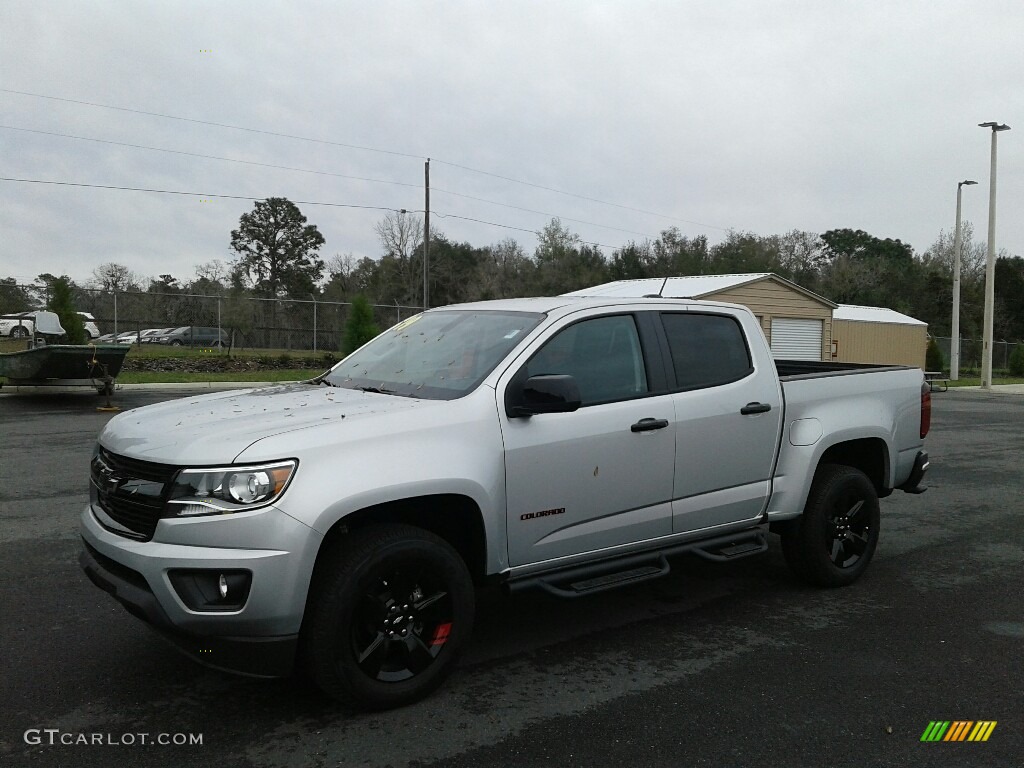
x=548, y=393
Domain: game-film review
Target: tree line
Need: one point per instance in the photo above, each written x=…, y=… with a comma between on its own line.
x=277, y=255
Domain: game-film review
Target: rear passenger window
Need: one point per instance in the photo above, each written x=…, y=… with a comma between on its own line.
x=602, y=354
x=707, y=350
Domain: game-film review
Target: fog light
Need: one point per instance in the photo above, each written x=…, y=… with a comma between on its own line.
x=211, y=590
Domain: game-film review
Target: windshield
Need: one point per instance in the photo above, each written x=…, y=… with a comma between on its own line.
x=439, y=355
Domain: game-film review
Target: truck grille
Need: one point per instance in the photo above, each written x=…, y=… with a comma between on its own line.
x=131, y=493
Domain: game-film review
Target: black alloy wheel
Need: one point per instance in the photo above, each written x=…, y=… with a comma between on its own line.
x=389, y=610
x=832, y=543
x=401, y=623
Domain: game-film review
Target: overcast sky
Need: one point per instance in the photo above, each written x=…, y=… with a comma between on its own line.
x=762, y=116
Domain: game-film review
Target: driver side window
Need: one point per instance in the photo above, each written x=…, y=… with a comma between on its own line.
x=603, y=355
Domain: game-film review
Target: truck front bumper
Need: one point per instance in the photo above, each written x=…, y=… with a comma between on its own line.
x=258, y=637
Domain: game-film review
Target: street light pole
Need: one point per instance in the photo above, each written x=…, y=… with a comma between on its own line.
x=954, y=350
x=990, y=261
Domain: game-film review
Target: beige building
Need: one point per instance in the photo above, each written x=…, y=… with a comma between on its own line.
x=878, y=335
x=796, y=322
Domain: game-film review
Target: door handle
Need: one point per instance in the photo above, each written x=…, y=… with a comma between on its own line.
x=750, y=408
x=646, y=425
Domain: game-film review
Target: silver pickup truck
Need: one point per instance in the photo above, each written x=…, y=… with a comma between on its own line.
x=564, y=444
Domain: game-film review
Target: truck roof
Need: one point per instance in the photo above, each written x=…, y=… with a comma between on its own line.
x=547, y=304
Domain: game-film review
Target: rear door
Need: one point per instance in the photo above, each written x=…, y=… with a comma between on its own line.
x=601, y=476
x=728, y=416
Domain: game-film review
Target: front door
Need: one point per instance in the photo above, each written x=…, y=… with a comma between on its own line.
x=598, y=477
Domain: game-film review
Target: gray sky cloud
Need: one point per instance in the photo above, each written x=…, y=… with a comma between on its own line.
x=758, y=116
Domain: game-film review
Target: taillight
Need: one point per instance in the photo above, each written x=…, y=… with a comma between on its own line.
x=926, y=409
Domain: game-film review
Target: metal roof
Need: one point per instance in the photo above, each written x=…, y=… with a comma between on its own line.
x=692, y=286
x=861, y=314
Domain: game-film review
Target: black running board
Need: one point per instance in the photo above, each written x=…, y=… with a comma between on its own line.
x=604, y=575
x=734, y=550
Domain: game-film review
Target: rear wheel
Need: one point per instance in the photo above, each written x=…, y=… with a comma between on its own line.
x=389, y=611
x=835, y=539
x=19, y=332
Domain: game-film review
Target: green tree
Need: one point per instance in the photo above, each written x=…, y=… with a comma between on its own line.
x=565, y=263
x=1009, y=291
x=1017, y=361
x=933, y=359
x=13, y=298
x=277, y=249
x=62, y=303
x=360, y=327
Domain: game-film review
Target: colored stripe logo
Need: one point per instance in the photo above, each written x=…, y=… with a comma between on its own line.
x=958, y=730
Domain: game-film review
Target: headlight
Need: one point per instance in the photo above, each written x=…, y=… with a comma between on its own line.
x=228, y=489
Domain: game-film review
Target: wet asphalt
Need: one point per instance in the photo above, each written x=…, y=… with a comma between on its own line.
x=732, y=664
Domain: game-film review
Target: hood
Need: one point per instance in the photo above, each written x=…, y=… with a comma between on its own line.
x=216, y=428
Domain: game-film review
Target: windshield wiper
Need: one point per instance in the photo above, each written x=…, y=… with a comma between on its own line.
x=377, y=390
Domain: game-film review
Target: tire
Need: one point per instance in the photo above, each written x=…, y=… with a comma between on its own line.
x=19, y=332
x=177, y=343
x=834, y=540
x=390, y=609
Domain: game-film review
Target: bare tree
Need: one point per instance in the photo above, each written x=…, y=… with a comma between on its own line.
x=972, y=254
x=401, y=236
x=115, y=277
x=215, y=271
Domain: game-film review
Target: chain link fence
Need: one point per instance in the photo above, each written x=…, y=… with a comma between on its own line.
x=278, y=324
x=970, y=354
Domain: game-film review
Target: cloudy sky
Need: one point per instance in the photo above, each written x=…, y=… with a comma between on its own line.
x=622, y=118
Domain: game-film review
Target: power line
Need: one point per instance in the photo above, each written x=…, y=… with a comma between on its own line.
x=312, y=171
x=365, y=149
x=580, y=197
x=210, y=122
x=208, y=157
x=509, y=226
x=297, y=202
x=192, y=194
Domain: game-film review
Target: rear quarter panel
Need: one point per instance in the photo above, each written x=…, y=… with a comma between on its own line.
x=824, y=411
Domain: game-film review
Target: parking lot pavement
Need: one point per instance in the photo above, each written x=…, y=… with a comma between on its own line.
x=725, y=665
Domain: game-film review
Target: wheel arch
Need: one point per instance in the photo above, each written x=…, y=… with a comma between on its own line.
x=453, y=517
x=868, y=454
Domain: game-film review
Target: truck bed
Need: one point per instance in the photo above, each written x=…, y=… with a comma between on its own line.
x=790, y=370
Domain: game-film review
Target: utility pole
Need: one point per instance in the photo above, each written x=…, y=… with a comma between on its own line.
x=426, y=235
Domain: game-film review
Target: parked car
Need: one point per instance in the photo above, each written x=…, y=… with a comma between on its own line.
x=150, y=335
x=18, y=326
x=194, y=336
x=126, y=337
x=22, y=325
x=568, y=445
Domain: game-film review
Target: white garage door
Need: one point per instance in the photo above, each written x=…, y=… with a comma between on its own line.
x=796, y=339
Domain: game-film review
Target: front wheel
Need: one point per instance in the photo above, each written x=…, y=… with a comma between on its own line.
x=389, y=611
x=833, y=542
x=19, y=332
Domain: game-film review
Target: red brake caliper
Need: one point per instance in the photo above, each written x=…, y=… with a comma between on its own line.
x=441, y=633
